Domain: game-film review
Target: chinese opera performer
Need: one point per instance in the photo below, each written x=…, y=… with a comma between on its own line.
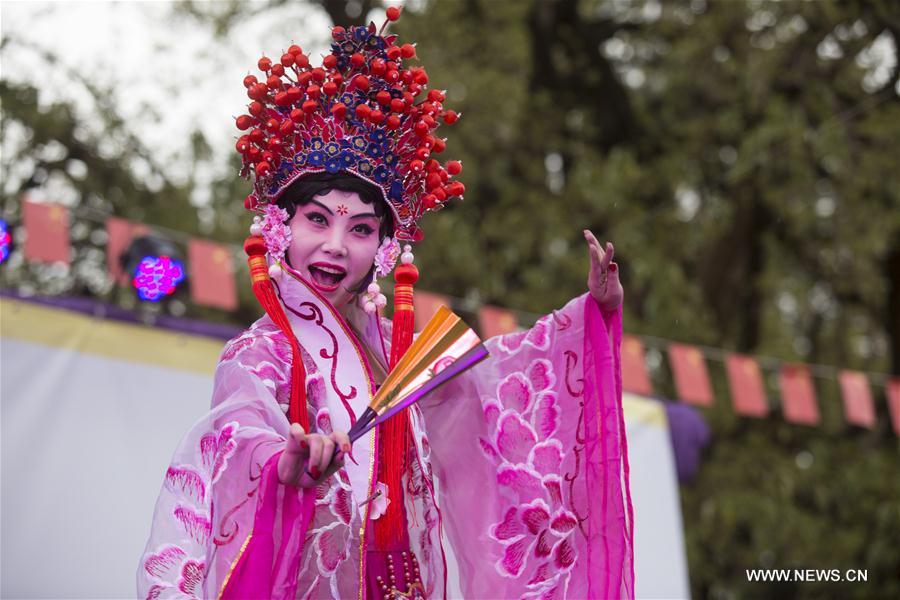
x=517, y=467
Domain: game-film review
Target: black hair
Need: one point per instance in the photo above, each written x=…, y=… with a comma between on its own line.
x=302, y=192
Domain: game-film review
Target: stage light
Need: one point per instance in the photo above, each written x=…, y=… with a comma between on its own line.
x=157, y=276
x=5, y=241
x=155, y=267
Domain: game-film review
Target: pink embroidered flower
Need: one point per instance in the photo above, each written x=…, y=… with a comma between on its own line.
x=331, y=545
x=195, y=524
x=341, y=504
x=380, y=503
x=275, y=231
x=191, y=581
x=386, y=256
x=159, y=564
x=186, y=481
x=537, y=337
x=531, y=531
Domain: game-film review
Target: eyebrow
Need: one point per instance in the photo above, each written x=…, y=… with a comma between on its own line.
x=359, y=216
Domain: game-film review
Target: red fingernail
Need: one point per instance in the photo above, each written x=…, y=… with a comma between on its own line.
x=304, y=445
x=613, y=267
x=314, y=472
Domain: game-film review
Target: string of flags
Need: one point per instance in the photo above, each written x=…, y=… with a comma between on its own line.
x=210, y=270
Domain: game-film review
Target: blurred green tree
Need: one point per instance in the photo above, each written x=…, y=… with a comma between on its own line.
x=741, y=157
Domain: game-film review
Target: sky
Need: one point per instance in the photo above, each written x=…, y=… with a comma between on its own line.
x=168, y=72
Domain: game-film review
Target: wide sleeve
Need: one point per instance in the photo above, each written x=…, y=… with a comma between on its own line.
x=222, y=518
x=529, y=452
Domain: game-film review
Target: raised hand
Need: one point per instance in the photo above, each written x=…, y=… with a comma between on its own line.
x=306, y=459
x=603, y=276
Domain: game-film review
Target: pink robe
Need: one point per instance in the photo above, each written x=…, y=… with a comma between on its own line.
x=528, y=449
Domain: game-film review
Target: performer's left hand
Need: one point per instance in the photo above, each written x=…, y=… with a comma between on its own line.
x=603, y=277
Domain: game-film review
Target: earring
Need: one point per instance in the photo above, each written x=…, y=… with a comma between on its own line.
x=374, y=298
x=385, y=259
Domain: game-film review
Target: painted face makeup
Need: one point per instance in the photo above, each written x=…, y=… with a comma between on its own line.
x=335, y=237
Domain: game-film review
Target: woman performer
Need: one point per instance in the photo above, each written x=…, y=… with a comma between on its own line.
x=515, y=473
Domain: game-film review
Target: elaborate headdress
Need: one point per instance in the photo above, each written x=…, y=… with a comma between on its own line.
x=362, y=112
x=365, y=113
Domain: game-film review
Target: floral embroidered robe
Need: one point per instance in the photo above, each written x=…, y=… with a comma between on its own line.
x=528, y=449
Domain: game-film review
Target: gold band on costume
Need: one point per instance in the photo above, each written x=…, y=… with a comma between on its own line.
x=403, y=297
x=259, y=270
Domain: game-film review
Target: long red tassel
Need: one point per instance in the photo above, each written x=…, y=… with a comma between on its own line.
x=264, y=291
x=395, y=433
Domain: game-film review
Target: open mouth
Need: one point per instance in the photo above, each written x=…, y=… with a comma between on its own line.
x=326, y=277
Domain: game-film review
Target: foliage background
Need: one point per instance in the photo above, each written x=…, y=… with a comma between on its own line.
x=740, y=155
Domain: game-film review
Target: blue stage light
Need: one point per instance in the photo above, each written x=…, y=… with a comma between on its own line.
x=155, y=267
x=156, y=277
x=5, y=241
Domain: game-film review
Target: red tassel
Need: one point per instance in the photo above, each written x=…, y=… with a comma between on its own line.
x=395, y=433
x=264, y=291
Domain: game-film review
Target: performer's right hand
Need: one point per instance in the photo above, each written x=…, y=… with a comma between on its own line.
x=306, y=459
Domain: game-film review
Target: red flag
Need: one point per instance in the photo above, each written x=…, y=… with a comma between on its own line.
x=748, y=394
x=691, y=376
x=858, y=406
x=892, y=391
x=425, y=304
x=494, y=320
x=798, y=395
x=119, y=233
x=47, y=226
x=212, y=274
x=634, y=368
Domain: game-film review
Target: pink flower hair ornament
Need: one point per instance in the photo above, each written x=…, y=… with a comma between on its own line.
x=272, y=226
x=386, y=257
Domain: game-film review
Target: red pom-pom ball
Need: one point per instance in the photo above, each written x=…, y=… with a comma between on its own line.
x=456, y=189
x=361, y=82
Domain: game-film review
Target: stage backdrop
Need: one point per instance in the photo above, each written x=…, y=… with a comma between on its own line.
x=92, y=409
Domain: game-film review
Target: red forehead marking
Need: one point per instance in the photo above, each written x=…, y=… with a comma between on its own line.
x=342, y=210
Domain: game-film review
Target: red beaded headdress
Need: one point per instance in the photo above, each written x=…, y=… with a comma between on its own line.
x=361, y=112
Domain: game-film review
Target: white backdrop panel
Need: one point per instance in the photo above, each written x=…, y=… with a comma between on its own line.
x=86, y=440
